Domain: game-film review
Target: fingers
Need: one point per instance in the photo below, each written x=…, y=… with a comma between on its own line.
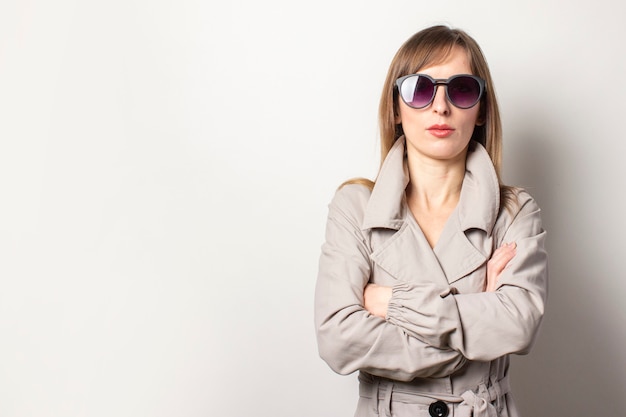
x=376, y=299
x=503, y=255
x=499, y=260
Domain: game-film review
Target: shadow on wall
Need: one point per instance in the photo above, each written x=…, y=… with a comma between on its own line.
x=575, y=368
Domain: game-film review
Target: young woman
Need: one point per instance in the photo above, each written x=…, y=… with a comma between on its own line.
x=431, y=276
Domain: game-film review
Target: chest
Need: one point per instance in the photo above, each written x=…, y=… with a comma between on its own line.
x=431, y=221
x=458, y=259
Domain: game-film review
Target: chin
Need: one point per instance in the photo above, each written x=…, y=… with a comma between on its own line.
x=449, y=152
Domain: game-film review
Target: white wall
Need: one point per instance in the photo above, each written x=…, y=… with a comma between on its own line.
x=164, y=173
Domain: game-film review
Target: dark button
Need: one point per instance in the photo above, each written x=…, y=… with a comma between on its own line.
x=438, y=409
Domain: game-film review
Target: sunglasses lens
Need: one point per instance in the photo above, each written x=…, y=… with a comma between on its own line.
x=417, y=91
x=464, y=92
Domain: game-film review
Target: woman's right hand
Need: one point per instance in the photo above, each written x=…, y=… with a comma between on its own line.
x=499, y=259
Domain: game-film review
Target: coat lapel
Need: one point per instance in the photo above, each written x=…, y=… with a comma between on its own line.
x=456, y=254
x=407, y=256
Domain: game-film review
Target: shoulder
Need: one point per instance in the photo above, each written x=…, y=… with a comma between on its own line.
x=518, y=206
x=346, y=211
x=352, y=197
x=518, y=200
x=348, y=205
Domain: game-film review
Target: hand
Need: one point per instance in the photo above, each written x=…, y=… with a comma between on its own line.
x=499, y=259
x=376, y=299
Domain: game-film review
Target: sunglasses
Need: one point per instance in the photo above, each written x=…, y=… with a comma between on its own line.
x=418, y=90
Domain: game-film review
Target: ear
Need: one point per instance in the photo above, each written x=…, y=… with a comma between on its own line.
x=481, y=119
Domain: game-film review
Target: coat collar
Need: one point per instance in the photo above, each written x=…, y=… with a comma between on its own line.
x=478, y=204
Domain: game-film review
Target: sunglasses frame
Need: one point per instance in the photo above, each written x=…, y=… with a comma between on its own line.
x=445, y=82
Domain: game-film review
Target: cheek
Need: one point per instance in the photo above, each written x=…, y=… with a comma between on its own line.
x=407, y=116
x=471, y=117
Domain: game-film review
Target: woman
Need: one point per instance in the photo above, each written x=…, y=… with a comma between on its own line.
x=431, y=276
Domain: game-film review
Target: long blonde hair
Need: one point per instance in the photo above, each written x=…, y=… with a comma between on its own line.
x=432, y=46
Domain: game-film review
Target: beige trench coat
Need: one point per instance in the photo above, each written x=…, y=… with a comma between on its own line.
x=444, y=338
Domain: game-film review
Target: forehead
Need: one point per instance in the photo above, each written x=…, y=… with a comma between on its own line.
x=445, y=63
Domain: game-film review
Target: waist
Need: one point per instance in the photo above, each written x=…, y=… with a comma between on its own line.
x=486, y=395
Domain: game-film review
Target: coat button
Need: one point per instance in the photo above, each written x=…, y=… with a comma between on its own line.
x=438, y=409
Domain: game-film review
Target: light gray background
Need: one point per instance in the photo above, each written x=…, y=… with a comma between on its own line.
x=165, y=168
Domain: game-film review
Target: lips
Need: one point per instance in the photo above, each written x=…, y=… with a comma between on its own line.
x=440, y=131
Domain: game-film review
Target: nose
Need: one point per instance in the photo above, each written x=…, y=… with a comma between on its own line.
x=440, y=102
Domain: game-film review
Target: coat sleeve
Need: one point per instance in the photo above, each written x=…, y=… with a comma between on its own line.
x=485, y=326
x=349, y=337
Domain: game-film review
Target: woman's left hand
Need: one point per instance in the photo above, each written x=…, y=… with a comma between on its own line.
x=376, y=299
x=499, y=260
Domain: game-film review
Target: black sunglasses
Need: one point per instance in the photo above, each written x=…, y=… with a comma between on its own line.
x=418, y=90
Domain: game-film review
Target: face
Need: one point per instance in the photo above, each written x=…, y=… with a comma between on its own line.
x=440, y=131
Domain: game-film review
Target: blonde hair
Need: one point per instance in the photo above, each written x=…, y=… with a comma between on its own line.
x=432, y=46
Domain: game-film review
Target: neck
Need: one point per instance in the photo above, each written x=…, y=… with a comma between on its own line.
x=435, y=184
